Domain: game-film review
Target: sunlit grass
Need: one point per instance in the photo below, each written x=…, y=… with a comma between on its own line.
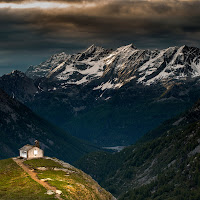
x=73, y=183
x=40, y=162
x=15, y=184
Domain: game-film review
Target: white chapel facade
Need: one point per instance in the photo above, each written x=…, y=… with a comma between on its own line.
x=31, y=151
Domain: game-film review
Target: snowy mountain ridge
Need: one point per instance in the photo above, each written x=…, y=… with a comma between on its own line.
x=129, y=90
x=43, y=68
x=115, y=68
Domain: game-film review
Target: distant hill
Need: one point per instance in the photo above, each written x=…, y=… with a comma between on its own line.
x=19, y=126
x=69, y=182
x=162, y=165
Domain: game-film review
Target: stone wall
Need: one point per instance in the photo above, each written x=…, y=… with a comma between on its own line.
x=35, y=152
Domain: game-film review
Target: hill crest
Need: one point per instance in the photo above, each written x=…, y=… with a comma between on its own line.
x=47, y=178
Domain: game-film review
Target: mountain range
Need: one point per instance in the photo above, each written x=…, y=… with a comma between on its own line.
x=118, y=67
x=128, y=96
x=109, y=97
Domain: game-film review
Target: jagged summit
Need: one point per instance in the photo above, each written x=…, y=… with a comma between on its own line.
x=129, y=46
x=91, y=53
x=16, y=72
x=43, y=68
x=92, y=49
x=122, y=65
x=132, y=46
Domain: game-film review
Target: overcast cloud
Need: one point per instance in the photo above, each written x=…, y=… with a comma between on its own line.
x=31, y=32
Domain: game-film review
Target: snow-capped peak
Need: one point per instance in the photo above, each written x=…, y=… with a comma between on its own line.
x=174, y=63
x=127, y=47
x=44, y=68
x=91, y=53
x=113, y=69
x=92, y=49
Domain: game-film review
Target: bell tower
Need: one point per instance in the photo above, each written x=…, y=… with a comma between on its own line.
x=37, y=144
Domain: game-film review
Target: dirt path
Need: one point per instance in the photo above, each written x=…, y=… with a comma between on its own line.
x=33, y=175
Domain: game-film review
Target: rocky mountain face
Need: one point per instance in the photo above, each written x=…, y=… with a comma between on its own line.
x=113, y=97
x=18, y=85
x=42, y=69
x=19, y=126
x=116, y=68
x=165, y=167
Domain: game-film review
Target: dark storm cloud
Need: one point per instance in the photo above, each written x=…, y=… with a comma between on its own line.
x=65, y=1
x=109, y=23
x=117, y=18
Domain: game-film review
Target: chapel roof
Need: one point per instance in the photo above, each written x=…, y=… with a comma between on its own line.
x=26, y=147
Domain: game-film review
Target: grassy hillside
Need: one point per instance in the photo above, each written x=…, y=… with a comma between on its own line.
x=16, y=184
x=73, y=183
x=163, y=166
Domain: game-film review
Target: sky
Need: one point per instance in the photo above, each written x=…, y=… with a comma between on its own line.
x=31, y=31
